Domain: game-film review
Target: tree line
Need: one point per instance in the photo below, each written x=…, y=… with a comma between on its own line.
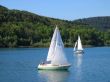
x=25, y=29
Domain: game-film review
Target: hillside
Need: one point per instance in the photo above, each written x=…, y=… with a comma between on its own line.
x=25, y=16
x=26, y=29
x=97, y=22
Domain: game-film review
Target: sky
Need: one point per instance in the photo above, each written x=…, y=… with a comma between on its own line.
x=61, y=9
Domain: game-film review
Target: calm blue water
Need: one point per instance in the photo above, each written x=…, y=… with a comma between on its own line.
x=20, y=65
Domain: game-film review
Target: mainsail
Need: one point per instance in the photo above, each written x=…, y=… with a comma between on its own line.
x=79, y=44
x=52, y=46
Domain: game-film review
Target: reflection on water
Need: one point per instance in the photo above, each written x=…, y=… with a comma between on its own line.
x=54, y=76
x=79, y=60
x=77, y=64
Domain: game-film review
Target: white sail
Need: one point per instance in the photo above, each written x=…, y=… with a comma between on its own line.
x=75, y=46
x=79, y=47
x=52, y=46
x=59, y=55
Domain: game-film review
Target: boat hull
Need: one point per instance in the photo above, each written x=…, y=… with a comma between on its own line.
x=53, y=67
x=79, y=52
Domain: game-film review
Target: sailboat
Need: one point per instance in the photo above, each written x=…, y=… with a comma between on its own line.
x=78, y=49
x=56, y=58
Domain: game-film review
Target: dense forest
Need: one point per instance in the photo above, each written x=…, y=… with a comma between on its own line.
x=102, y=23
x=26, y=29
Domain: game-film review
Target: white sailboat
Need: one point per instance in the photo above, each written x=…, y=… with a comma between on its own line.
x=78, y=49
x=56, y=58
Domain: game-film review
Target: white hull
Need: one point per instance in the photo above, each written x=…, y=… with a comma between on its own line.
x=79, y=52
x=53, y=67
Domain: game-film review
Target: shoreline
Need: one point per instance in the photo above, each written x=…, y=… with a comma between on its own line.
x=48, y=47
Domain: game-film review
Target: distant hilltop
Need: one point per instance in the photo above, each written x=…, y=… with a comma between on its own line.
x=25, y=29
x=97, y=22
x=21, y=16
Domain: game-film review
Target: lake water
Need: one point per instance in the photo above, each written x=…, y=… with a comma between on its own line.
x=20, y=65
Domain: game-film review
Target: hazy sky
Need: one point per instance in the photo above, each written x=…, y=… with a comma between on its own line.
x=62, y=9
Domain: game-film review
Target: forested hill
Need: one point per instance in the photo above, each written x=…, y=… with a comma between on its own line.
x=7, y=15
x=25, y=29
x=97, y=22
